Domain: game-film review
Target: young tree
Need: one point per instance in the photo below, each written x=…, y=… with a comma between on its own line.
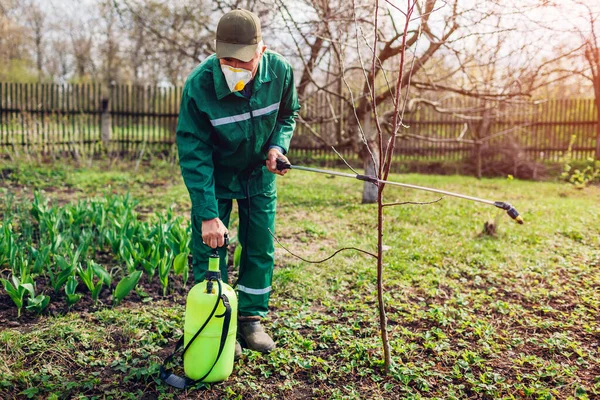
x=385, y=149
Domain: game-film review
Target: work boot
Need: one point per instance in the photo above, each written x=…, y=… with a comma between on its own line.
x=238, y=350
x=252, y=334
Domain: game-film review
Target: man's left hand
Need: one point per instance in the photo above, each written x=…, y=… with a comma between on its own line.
x=271, y=162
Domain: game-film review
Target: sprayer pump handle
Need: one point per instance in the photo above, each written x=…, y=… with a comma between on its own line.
x=225, y=240
x=281, y=164
x=215, y=251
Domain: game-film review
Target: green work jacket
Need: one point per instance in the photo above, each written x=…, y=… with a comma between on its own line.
x=223, y=138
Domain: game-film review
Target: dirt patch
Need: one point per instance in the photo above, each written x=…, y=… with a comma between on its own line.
x=6, y=173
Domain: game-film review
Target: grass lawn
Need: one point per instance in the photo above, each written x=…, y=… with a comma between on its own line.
x=470, y=316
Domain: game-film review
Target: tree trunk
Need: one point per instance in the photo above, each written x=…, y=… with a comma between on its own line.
x=387, y=354
x=482, y=130
x=370, y=191
x=598, y=127
x=478, y=159
x=598, y=136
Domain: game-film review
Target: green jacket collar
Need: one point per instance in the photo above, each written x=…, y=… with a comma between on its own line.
x=263, y=75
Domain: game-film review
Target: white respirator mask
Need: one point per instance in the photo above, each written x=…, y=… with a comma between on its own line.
x=237, y=78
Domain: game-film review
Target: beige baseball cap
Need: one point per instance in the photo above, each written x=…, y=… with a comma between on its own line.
x=238, y=35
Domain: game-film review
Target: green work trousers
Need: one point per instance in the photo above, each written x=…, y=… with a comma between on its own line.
x=257, y=216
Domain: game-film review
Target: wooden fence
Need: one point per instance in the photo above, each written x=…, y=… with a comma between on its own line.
x=540, y=130
x=84, y=117
x=76, y=118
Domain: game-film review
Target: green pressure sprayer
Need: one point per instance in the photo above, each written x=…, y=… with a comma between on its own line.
x=210, y=329
x=510, y=210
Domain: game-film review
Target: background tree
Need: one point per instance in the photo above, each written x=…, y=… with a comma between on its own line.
x=110, y=48
x=37, y=26
x=489, y=52
x=590, y=37
x=15, y=60
x=175, y=37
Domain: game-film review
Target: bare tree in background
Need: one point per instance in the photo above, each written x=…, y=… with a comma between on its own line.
x=482, y=52
x=110, y=46
x=577, y=23
x=13, y=40
x=591, y=52
x=58, y=66
x=174, y=37
x=324, y=24
x=82, y=45
x=495, y=73
x=37, y=26
x=357, y=74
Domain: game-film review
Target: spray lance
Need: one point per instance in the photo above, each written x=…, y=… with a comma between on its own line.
x=510, y=210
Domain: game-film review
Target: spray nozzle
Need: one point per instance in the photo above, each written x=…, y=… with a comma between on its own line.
x=510, y=210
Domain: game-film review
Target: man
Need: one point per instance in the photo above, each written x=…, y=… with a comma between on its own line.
x=237, y=117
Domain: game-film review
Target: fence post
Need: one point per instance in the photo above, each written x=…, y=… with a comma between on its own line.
x=106, y=122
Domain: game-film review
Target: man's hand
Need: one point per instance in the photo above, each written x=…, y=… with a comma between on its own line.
x=271, y=163
x=213, y=232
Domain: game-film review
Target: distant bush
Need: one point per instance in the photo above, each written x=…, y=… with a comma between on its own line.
x=588, y=174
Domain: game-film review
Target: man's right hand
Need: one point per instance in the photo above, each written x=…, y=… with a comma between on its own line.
x=213, y=232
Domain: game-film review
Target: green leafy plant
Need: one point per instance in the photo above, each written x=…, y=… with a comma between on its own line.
x=164, y=267
x=151, y=261
x=8, y=245
x=39, y=206
x=37, y=303
x=165, y=241
x=87, y=277
x=100, y=272
x=42, y=257
x=70, y=290
x=60, y=273
x=178, y=237
x=16, y=290
x=125, y=286
x=126, y=253
x=180, y=266
x=67, y=268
